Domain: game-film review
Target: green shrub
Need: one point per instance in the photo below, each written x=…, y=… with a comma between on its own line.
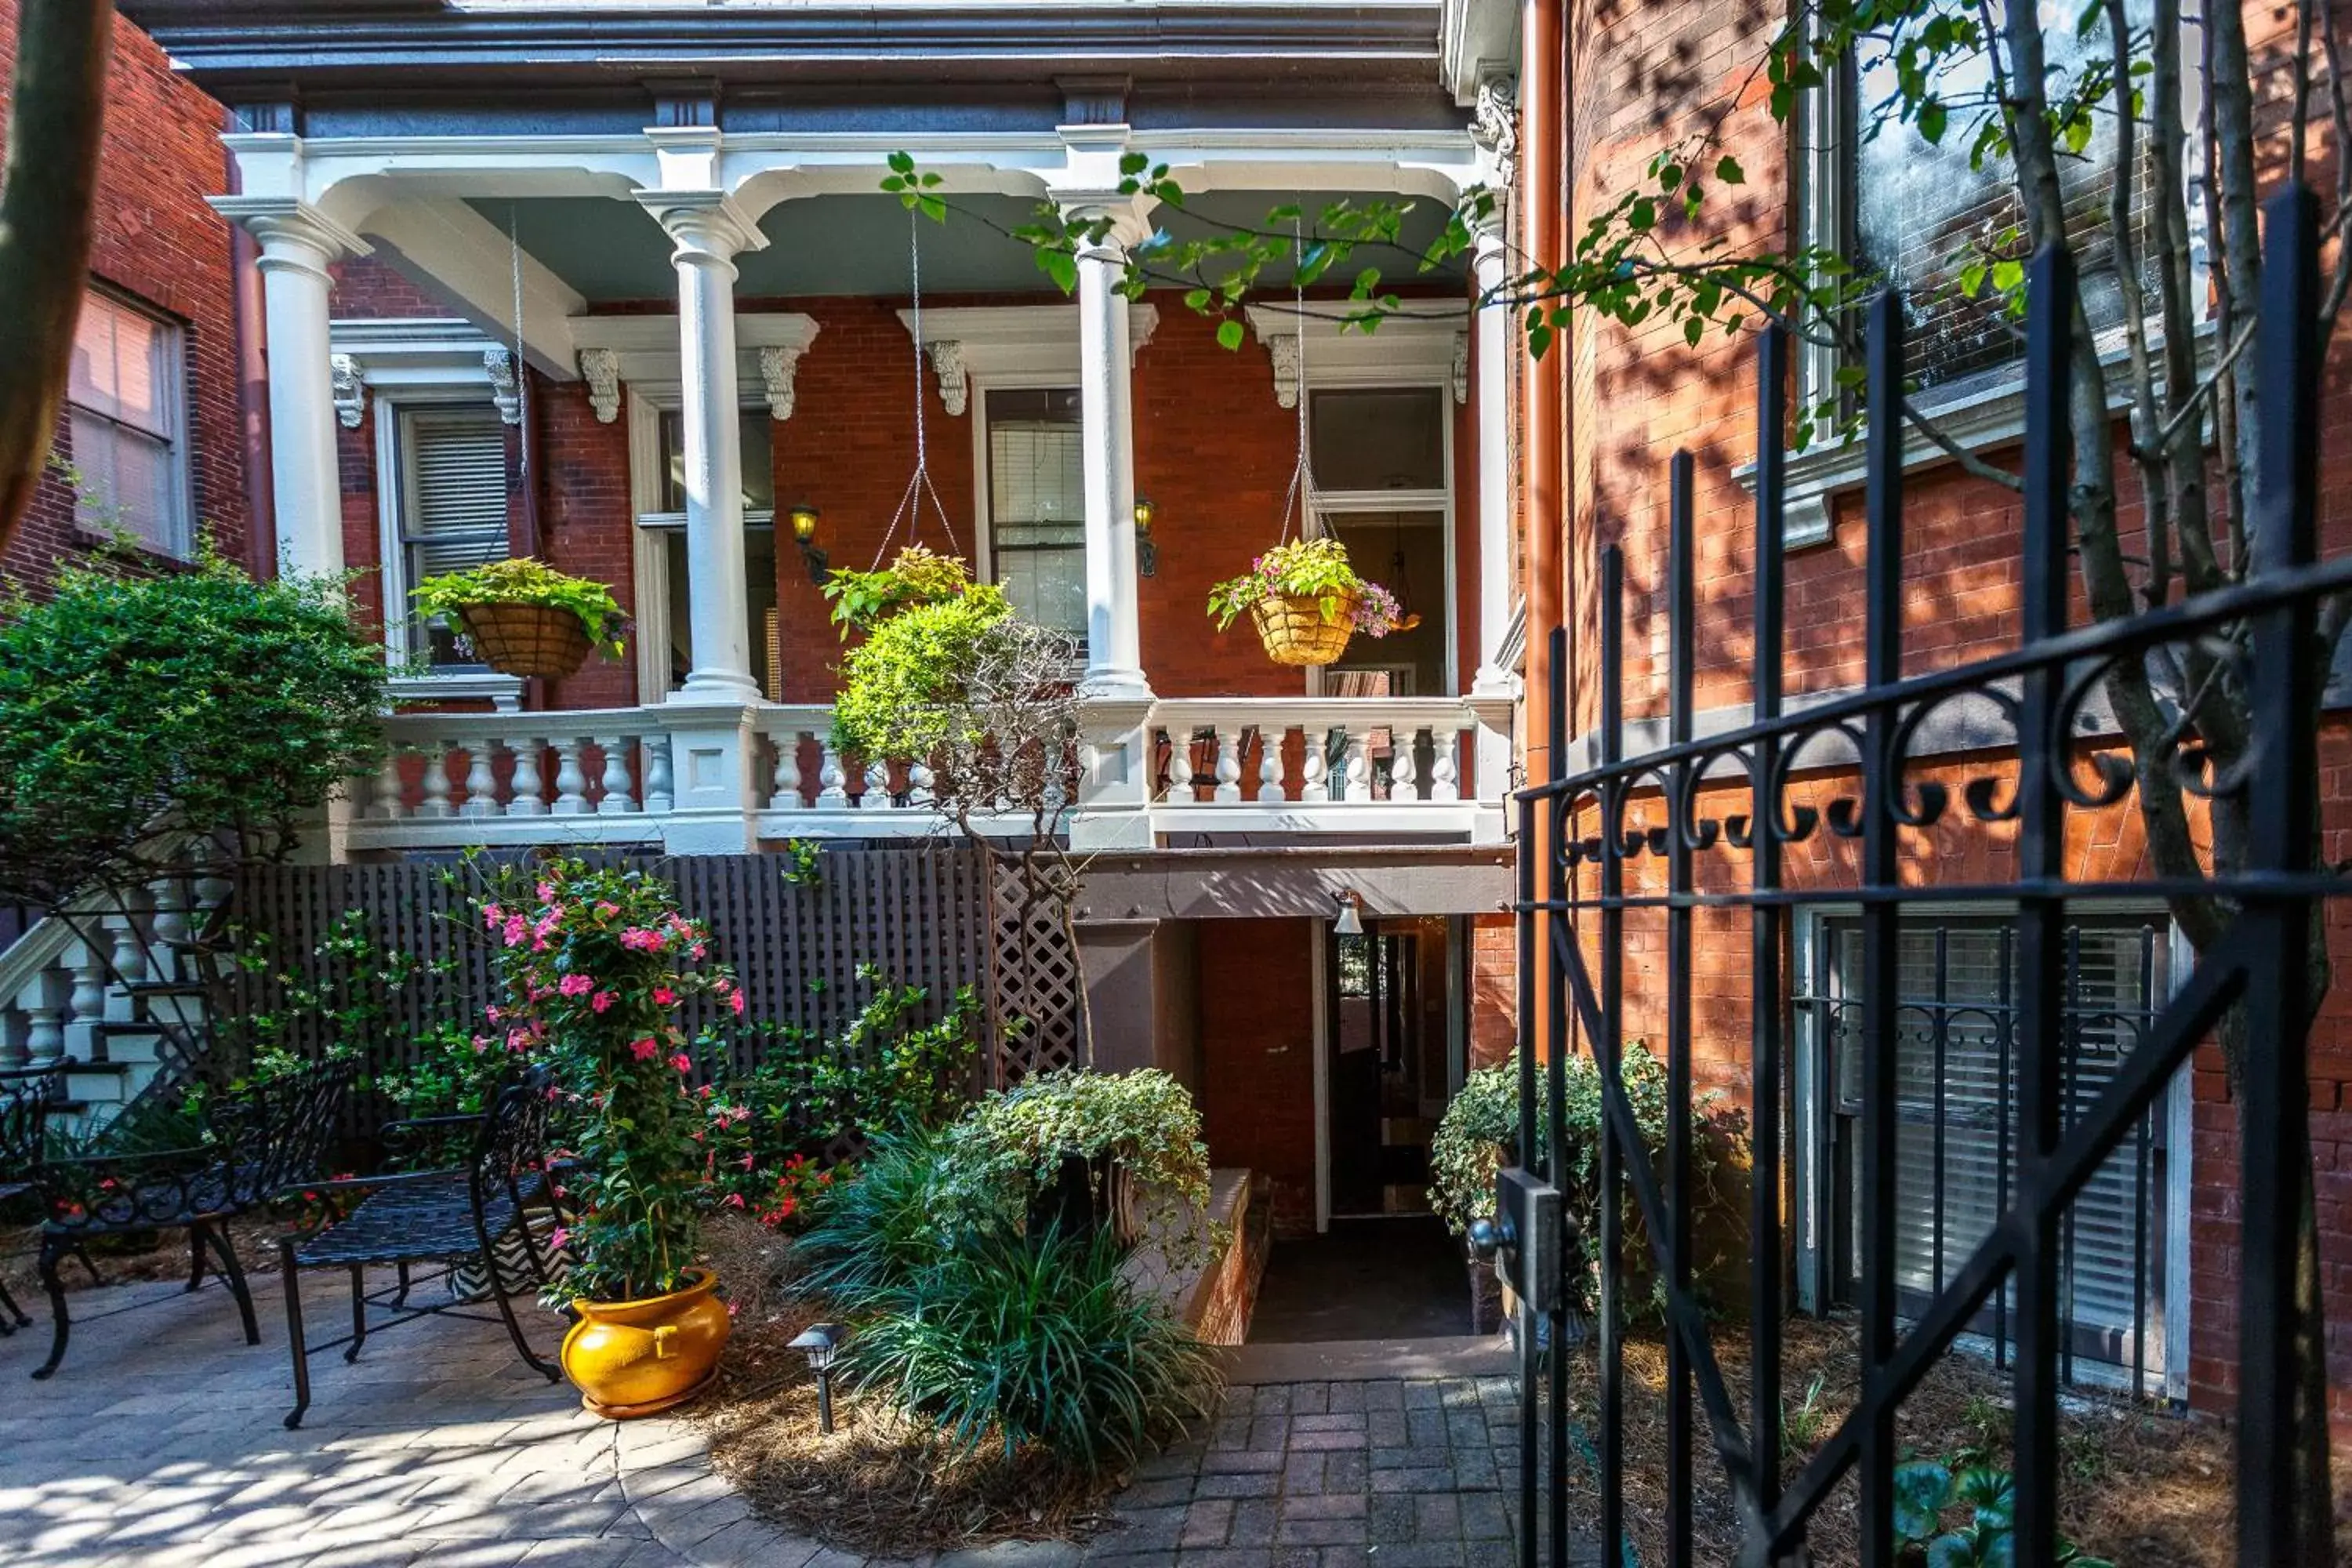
x=918, y=576
x=899, y=1218
x=1480, y=1125
x=138, y=712
x=903, y=688
x=1023, y=1344
x=1013, y=1141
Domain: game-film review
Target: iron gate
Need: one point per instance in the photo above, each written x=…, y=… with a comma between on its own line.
x=1650, y=816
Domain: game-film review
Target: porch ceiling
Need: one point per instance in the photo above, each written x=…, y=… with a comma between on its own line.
x=610, y=252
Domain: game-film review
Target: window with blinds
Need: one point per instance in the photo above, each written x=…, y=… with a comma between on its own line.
x=1919, y=208
x=1956, y=1100
x=1037, y=505
x=125, y=414
x=453, y=510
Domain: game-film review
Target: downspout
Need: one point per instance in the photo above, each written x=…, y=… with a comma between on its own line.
x=1540, y=198
x=247, y=317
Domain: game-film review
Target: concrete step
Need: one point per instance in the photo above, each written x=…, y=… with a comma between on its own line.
x=140, y=1044
x=101, y=1083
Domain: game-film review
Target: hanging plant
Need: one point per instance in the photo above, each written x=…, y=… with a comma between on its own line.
x=526, y=618
x=919, y=576
x=1307, y=600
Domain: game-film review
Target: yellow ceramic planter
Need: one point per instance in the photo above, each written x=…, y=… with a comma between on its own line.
x=633, y=1358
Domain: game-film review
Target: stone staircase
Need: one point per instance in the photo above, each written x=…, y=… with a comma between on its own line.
x=122, y=1017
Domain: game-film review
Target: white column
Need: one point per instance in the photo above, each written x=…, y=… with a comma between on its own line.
x=708, y=232
x=1494, y=689
x=297, y=243
x=1114, y=641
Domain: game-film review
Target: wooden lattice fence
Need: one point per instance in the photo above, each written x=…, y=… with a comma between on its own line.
x=929, y=915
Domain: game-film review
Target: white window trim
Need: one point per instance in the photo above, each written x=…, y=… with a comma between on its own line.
x=966, y=347
x=1809, y=1232
x=647, y=358
x=983, y=505
x=503, y=692
x=648, y=401
x=1341, y=504
x=177, y=418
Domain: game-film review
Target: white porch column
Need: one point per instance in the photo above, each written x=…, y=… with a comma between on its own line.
x=298, y=241
x=1114, y=640
x=709, y=231
x=1493, y=688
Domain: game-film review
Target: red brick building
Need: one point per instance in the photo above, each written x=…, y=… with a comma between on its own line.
x=153, y=429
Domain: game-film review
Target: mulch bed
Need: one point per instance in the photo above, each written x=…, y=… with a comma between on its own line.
x=2139, y=1486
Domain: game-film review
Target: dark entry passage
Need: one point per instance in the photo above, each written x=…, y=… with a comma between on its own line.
x=1371, y=1279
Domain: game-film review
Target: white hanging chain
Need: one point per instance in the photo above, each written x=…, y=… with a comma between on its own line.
x=522, y=411
x=1302, y=476
x=918, y=484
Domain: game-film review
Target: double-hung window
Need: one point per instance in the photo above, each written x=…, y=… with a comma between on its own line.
x=450, y=513
x=126, y=410
x=1957, y=1070
x=1037, y=504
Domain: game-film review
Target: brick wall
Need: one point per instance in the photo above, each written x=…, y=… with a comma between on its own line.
x=157, y=242
x=1257, y=1057
x=1645, y=77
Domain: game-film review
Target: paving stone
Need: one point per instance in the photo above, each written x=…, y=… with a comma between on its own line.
x=1421, y=1554
x=1183, y=1460
x=1309, y=1398
x=1157, y=1493
x=1146, y=1529
x=1483, y=1516
x=1208, y=1522
x=1166, y=1559
x=1421, y=1393
x=1389, y=1518
x=1238, y=1460
x=1271, y=1399
x=1302, y=1474
x=1319, y=1532
x=1347, y=1398
x=1254, y=1521
x=1328, y=1505
x=1254, y=1484
x=1231, y=1432
x=1385, y=1396
x=1270, y=1432
x=1437, y=1516
x=1226, y=1557
x=1311, y=1441
x=1346, y=1422
x=1347, y=1471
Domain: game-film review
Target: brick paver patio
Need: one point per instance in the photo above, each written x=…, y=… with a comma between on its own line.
x=159, y=1444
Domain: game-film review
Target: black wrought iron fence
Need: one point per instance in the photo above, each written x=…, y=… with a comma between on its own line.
x=1628, y=837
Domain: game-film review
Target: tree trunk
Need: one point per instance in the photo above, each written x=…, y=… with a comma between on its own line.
x=46, y=193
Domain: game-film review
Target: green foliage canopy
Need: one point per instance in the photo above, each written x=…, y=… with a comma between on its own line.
x=138, y=711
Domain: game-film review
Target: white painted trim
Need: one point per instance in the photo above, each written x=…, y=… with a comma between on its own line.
x=1003, y=344
x=647, y=351
x=428, y=354
x=504, y=691
x=1418, y=345
x=984, y=501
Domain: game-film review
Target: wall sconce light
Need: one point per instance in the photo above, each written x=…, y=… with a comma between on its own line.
x=819, y=1344
x=804, y=520
x=1352, y=919
x=1147, y=549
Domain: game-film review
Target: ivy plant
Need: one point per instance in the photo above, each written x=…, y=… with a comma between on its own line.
x=1316, y=569
x=917, y=576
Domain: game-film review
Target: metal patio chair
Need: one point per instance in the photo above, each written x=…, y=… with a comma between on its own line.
x=259, y=1143
x=27, y=1096
x=439, y=1217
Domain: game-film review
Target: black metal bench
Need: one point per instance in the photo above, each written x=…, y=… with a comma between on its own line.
x=439, y=1217
x=261, y=1143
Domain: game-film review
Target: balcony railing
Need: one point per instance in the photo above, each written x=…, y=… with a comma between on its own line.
x=1259, y=765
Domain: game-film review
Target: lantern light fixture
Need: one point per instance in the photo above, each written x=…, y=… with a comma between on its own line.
x=820, y=1343
x=804, y=519
x=1351, y=918
x=1147, y=549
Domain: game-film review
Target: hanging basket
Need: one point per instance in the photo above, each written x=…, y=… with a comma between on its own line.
x=1295, y=631
x=541, y=641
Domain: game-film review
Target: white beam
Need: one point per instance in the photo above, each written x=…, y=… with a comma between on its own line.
x=447, y=245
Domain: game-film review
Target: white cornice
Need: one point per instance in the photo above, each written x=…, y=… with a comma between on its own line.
x=767, y=344
x=1005, y=341
x=392, y=353
x=1424, y=342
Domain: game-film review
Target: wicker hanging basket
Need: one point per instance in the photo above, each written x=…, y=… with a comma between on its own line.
x=540, y=640
x=1295, y=630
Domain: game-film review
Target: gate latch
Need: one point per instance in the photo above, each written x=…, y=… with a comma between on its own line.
x=1523, y=1239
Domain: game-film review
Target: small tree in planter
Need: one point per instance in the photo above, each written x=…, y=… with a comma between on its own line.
x=526, y=618
x=594, y=964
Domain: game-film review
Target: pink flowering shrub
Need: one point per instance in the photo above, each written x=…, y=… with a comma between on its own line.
x=593, y=964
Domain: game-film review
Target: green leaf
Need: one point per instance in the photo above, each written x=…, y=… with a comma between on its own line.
x=1229, y=333
x=1693, y=329
x=1933, y=116
x=1728, y=170
x=901, y=163
x=1133, y=162
x=1922, y=1488
x=1061, y=267
x=2008, y=276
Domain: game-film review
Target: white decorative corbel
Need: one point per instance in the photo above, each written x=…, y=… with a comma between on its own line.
x=947, y=363
x=1283, y=348
x=504, y=390
x=1461, y=367
x=351, y=392
x=1494, y=127
x=600, y=368
x=777, y=366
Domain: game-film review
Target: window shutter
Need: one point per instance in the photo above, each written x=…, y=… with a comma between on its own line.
x=1036, y=473
x=457, y=491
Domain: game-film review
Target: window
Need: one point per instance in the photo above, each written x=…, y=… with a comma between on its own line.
x=452, y=512
x=1383, y=439
x=126, y=415
x=1919, y=209
x=1958, y=1134
x=759, y=461
x=1037, y=505
x=1381, y=490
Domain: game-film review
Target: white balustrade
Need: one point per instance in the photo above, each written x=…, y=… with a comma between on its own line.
x=618, y=791
x=660, y=785
x=570, y=783
x=877, y=788
x=1349, y=736
x=526, y=791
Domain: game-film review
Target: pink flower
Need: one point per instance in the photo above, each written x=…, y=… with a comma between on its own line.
x=736, y=1002
x=682, y=1062
x=516, y=929
x=734, y=1201
x=607, y=908
x=518, y=1040
x=558, y=1236
x=601, y=1001
x=701, y=951
x=665, y=997
x=482, y=1044
x=491, y=916
x=638, y=938
x=645, y=1050
x=721, y=985
x=546, y=892
x=577, y=985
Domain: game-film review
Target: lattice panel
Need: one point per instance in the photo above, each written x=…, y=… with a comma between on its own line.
x=1038, y=990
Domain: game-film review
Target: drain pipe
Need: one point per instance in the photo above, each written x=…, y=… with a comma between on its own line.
x=247, y=317
x=1541, y=200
